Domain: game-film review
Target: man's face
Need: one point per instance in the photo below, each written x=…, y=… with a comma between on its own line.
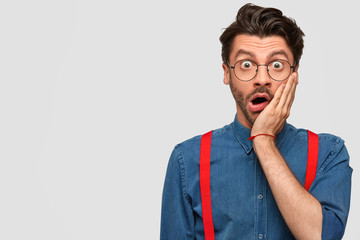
x=253, y=96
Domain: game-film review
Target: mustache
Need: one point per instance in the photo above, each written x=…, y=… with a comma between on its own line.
x=262, y=89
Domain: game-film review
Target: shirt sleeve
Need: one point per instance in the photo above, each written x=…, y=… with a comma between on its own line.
x=332, y=188
x=177, y=218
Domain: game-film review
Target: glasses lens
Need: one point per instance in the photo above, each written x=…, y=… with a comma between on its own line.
x=245, y=70
x=279, y=70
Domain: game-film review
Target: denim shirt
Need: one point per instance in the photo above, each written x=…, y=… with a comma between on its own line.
x=243, y=206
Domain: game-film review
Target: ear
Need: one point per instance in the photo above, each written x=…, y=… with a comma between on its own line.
x=296, y=68
x=226, y=73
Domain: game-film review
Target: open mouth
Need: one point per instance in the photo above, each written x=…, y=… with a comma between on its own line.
x=258, y=102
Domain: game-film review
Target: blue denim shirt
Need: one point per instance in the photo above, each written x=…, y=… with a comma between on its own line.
x=243, y=206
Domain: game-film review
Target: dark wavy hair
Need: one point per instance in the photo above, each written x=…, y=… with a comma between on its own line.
x=263, y=22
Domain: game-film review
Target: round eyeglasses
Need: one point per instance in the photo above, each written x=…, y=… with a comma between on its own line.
x=245, y=70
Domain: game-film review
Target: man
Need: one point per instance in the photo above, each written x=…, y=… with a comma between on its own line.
x=259, y=163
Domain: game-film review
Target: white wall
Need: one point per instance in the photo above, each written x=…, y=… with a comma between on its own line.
x=95, y=94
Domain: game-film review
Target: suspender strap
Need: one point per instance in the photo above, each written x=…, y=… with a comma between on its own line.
x=313, y=150
x=205, y=149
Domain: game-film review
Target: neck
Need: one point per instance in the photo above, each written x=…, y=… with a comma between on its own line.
x=243, y=119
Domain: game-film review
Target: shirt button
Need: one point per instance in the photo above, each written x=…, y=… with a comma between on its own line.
x=260, y=236
x=260, y=196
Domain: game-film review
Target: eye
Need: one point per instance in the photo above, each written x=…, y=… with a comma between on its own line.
x=277, y=65
x=246, y=65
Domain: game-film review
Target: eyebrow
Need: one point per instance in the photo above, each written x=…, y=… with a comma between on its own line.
x=252, y=54
x=242, y=51
x=279, y=52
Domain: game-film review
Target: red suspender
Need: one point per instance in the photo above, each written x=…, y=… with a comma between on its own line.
x=205, y=149
x=313, y=150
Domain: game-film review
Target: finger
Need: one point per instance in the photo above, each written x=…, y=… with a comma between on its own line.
x=286, y=92
x=276, y=99
x=291, y=96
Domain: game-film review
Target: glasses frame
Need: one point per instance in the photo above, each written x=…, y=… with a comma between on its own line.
x=267, y=69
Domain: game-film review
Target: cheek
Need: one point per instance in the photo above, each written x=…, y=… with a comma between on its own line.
x=276, y=85
x=245, y=88
x=241, y=86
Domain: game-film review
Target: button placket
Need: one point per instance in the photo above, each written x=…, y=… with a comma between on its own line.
x=260, y=203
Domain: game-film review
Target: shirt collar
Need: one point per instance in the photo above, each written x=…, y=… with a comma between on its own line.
x=242, y=134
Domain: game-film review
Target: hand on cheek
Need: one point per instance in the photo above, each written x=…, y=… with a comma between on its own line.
x=272, y=118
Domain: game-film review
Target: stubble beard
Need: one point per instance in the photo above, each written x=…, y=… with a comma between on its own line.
x=242, y=101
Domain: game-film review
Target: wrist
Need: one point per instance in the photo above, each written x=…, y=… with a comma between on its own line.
x=261, y=134
x=263, y=142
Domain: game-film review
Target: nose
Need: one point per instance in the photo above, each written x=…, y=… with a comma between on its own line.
x=262, y=77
